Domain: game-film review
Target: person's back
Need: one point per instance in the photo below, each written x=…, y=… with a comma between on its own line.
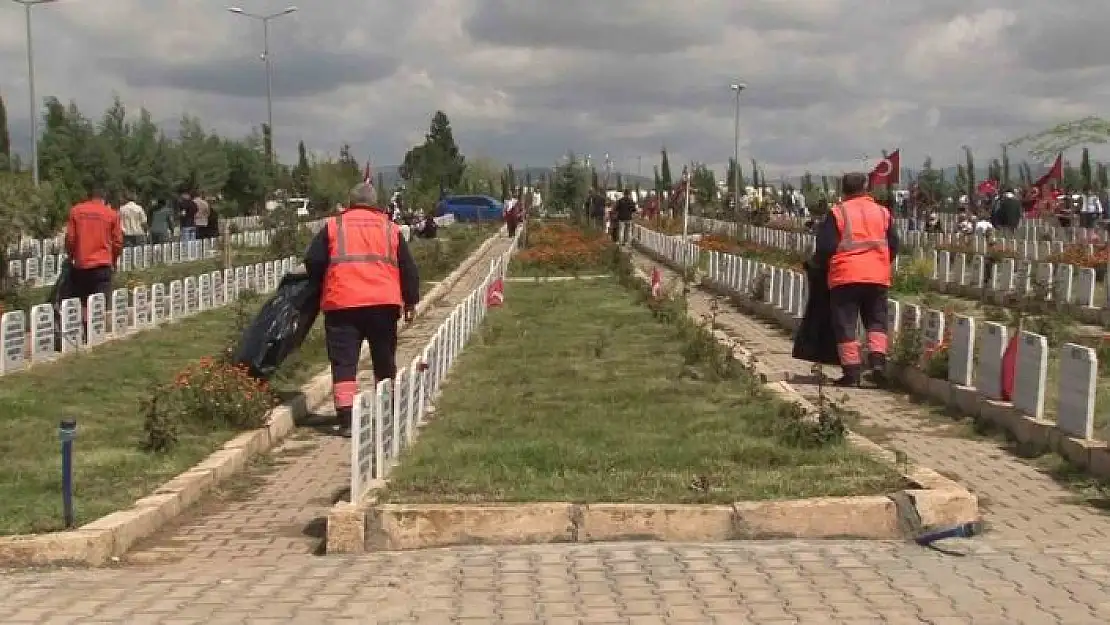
x=161, y=221
x=94, y=237
x=201, y=219
x=133, y=221
x=626, y=208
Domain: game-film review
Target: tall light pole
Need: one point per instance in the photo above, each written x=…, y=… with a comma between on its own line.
x=27, y=4
x=265, y=19
x=737, y=87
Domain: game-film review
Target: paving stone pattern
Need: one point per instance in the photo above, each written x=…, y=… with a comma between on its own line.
x=1046, y=560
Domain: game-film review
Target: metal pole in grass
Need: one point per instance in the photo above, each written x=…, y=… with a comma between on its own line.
x=67, y=432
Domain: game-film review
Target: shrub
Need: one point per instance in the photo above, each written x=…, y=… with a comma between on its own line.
x=205, y=395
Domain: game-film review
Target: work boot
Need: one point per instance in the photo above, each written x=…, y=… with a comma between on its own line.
x=851, y=377
x=343, y=422
x=876, y=363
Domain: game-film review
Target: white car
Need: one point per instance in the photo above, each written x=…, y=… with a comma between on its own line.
x=299, y=203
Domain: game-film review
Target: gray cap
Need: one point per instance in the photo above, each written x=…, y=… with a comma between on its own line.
x=363, y=194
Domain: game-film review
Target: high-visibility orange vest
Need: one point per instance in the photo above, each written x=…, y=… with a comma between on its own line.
x=362, y=261
x=863, y=256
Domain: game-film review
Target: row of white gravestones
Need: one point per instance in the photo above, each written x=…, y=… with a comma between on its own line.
x=38, y=339
x=975, y=360
x=1077, y=384
x=673, y=249
x=44, y=270
x=29, y=246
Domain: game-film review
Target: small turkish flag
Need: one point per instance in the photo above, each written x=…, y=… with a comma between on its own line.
x=495, y=293
x=656, y=283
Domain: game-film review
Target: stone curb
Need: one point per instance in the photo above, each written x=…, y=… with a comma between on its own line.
x=939, y=501
x=108, y=538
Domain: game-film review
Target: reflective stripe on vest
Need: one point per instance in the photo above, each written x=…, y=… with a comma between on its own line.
x=847, y=243
x=341, y=255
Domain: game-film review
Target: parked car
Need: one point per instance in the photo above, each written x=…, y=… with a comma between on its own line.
x=470, y=208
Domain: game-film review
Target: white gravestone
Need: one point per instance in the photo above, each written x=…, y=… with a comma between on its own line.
x=13, y=332
x=934, y=328
x=70, y=318
x=991, y=348
x=231, y=284
x=204, y=291
x=1005, y=272
x=1062, y=279
x=15, y=270
x=259, y=278
x=121, y=315
x=961, y=268
x=911, y=317
x=97, y=321
x=160, y=308
x=1045, y=278
x=270, y=277
x=49, y=269
x=893, y=316
x=33, y=270
x=1023, y=276
x=248, y=279
x=1032, y=373
x=177, y=300
x=961, y=354
x=42, y=332
x=192, y=300
x=127, y=259
x=175, y=252
x=1075, y=411
x=219, y=289
x=978, y=268
x=140, y=300
x=944, y=266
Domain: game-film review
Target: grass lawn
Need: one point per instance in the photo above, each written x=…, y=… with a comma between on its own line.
x=576, y=392
x=104, y=389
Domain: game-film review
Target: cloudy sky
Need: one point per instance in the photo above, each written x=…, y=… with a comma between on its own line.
x=829, y=81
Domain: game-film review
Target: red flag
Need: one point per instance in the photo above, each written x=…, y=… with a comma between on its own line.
x=656, y=283
x=1009, y=369
x=495, y=293
x=1055, y=173
x=887, y=171
x=987, y=187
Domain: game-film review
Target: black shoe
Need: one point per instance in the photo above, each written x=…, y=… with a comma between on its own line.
x=877, y=369
x=851, y=377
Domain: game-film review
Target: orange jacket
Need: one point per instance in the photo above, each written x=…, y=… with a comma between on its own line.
x=863, y=254
x=94, y=237
x=363, y=267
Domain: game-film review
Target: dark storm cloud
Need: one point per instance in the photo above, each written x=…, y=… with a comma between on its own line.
x=295, y=75
x=614, y=26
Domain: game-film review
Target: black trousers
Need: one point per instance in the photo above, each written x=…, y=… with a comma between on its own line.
x=345, y=330
x=85, y=282
x=850, y=303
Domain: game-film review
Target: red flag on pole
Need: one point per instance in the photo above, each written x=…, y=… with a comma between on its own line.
x=495, y=293
x=656, y=283
x=887, y=171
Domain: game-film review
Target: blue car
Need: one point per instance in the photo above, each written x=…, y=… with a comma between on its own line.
x=470, y=208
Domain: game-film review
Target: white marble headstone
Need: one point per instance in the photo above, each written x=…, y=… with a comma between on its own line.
x=1032, y=373
x=1075, y=412
x=13, y=332
x=97, y=320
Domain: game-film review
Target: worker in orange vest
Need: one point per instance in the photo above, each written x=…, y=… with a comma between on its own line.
x=859, y=243
x=94, y=242
x=368, y=278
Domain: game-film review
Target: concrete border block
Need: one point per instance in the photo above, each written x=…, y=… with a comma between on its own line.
x=661, y=522
x=421, y=526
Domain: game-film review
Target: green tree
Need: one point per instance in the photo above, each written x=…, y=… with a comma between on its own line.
x=1085, y=172
x=703, y=185
x=569, y=187
x=436, y=165
x=5, y=139
x=1007, y=181
x=756, y=182
x=969, y=171
x=930, y=183
x=665, y=169
x=302, y=171
x=1062, y=137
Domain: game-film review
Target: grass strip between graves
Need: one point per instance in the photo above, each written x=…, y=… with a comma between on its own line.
x=577, y=391
x=104, y=388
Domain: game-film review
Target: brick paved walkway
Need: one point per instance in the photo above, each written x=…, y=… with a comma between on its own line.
x=285, y=512
x=1046, y=561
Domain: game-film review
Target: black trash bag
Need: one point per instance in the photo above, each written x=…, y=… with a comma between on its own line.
x=280, y=327
x=815, y=341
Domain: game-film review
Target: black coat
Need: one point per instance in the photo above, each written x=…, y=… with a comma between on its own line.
x=814, y=340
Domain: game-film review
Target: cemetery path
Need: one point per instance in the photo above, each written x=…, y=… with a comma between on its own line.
x=1022, y=505
x=280, y=508
x=1045, y=563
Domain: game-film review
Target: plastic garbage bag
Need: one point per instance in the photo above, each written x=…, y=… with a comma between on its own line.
x=280, y=327
x=815, y=340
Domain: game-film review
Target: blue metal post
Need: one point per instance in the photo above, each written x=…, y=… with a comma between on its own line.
x=67, y=431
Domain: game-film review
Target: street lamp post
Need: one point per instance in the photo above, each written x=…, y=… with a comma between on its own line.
x=737, y=87
x=265, y=19
x=27, y=4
